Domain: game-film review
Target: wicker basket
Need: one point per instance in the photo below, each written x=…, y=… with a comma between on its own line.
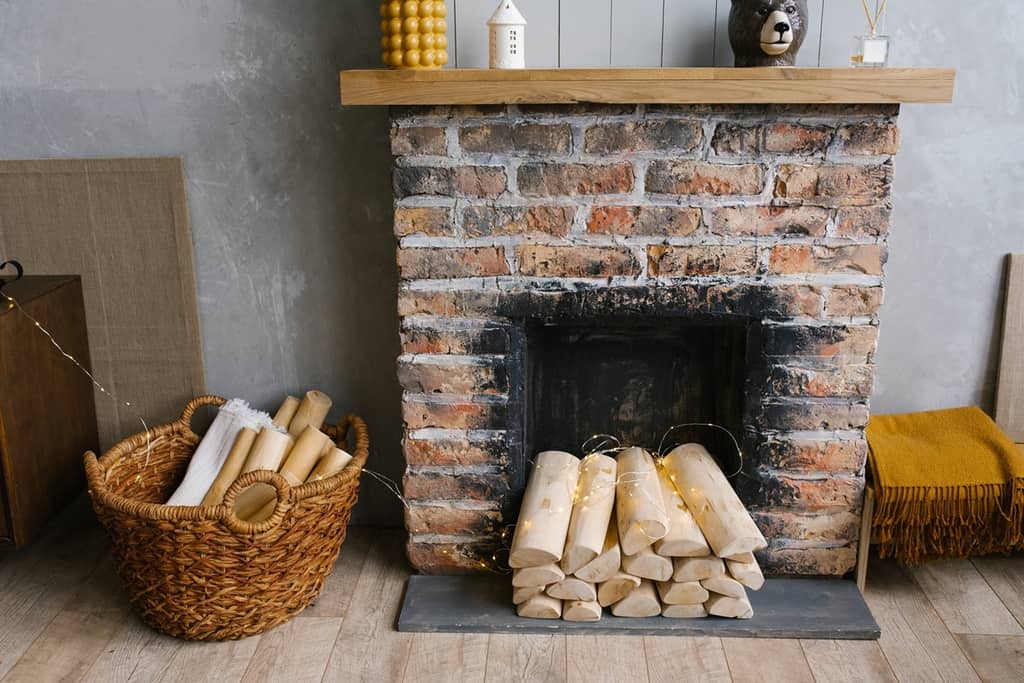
x=200, y=573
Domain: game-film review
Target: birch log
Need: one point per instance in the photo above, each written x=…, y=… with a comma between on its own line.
x=697, y=568
x=747, y=573
x=683, y=593
x=713, y=502
x=312, y=411
x=283, y=416
x=544, y=575
x=546, y=511
x=639, y=503
x=571, y=588
x=684, y=537
x=733, y=608
x=647, y=564
x=724, y=585
x=684, y=611
x=741, y=557
x=231, y=468
x=616, y=588
x=607, y=564
x=642, y=602
x=540, y=607
x=591, y=512
x=578, y=610
x=521, y=595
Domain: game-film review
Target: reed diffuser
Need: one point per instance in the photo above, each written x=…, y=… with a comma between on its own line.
x=871, y=50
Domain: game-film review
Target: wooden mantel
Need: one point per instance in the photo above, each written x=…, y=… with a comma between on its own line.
x=648, y=86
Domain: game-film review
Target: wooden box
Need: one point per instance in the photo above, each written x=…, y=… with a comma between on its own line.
x=47, y=409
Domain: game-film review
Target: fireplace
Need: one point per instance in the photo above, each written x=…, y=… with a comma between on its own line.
x=574, y=269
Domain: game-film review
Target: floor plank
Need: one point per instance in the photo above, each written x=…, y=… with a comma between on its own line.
x=136, y=654
x=855, y=661
x=915, y=641
x=964, y=599
x=605, y=658
x=997, y=658
x=67, y=647
x=1005, y=575
x=296, y=651
x=211, y=662
x=670, y=660
x=771, y=661
x=537, y=659
x=444, y=657
x=337, y=593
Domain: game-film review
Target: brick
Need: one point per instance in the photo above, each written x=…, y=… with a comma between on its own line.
x=463, y=181
x=733, y=139
x=451, y=558
x=801, y=221
x=450, y=521
x=456, y=452
x=448, y=111
x=698, y=177
x=587, y=109
x=863, y=221
x=736, y=139
x=668, y=261
x=643, y=136
x=854, y=302
x=813, y=416
x=808, y=561
x=832, y=456
x=470, y=341
x=424, y=220
x=421, y=415
x=488, y=221
x=800, y=493
x=841, y=184
x=475, y=303
x=479, y=486
x=866, y=259
x=430, y=378
x=418, y=140
x=822, y=342
x=843, y=381
x=631, y=221
x=826, y=526
x=416, y=264
x=548, y=180
x=576, y=261
x=868, y=139
x=498, y=138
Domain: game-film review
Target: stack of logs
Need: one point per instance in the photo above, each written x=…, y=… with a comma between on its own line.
x=644, y=538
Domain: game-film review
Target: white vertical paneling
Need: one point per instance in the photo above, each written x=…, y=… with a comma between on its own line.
x=453, y=56
x=808, y=55
x=637, y=32
x=585, y=33
x=471, y=32
x=723, y=51
x=689, y=33
x=541, y=31
x=843, y=19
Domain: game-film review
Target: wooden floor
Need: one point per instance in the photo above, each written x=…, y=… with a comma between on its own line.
x=63, y=618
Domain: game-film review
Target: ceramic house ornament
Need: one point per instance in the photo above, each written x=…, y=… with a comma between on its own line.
x=508, y=37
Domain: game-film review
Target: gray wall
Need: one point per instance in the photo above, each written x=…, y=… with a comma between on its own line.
x=290, y=194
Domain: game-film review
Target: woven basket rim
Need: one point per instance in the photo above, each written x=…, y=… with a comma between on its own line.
x=96, y=470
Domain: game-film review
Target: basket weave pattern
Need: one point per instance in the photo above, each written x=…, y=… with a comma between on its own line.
x=200, y=573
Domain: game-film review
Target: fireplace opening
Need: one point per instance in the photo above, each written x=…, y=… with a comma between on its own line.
x=635, y=382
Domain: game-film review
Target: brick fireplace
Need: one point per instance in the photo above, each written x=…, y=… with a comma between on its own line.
x=553, y=259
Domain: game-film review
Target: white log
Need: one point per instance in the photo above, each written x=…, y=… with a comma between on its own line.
x=726, y=524
x=578, y=610
x=733, y=608
x=684, y=537
x=607, y=564
x=639, y=503
x=724, y=585
x=572, y=588
x=591, y=512
x=641, y=602
x=684, y=611
x=741, y=557
x=540, y=607
x=647, y=564
x=682, y=593
x=521, y=595
x=747, y=573
x=697, y=568
x=544, y=575
x=546, y=510
x=616, y=588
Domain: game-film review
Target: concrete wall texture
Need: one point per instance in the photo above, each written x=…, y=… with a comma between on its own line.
x=291, y=203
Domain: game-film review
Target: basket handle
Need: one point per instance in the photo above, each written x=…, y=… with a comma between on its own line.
x=195, y=404
x=358, y=426
x=284, y=502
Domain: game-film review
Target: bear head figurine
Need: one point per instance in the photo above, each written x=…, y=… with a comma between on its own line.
x=767, y=32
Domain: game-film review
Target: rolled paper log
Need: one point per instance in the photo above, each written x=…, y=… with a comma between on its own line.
x=546, y=511
x=283, y=416
x=733, y=608
x=723, y=585
x=616, y=588
x=329, y=465
x=591, y=512
x=540, y=607
x=684, y=537
x=573, y=589
x=231, y=468
x=720, y=513
x=639, y=503
x=268, y=451
x=257, y=503
x=683, y=593
x=684, y=611
x=607, y=564
x=741, y=557
x=647, y=564
x=312, y=411
x=521, y=595
x=544, y=575
x=580, y=610
x=642, y=602
x=747, y=573
x=697, y=568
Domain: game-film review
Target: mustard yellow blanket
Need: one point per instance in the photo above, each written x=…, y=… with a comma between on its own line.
x=948, y=483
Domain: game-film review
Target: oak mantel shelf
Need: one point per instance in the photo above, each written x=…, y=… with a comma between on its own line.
x=647, y=86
